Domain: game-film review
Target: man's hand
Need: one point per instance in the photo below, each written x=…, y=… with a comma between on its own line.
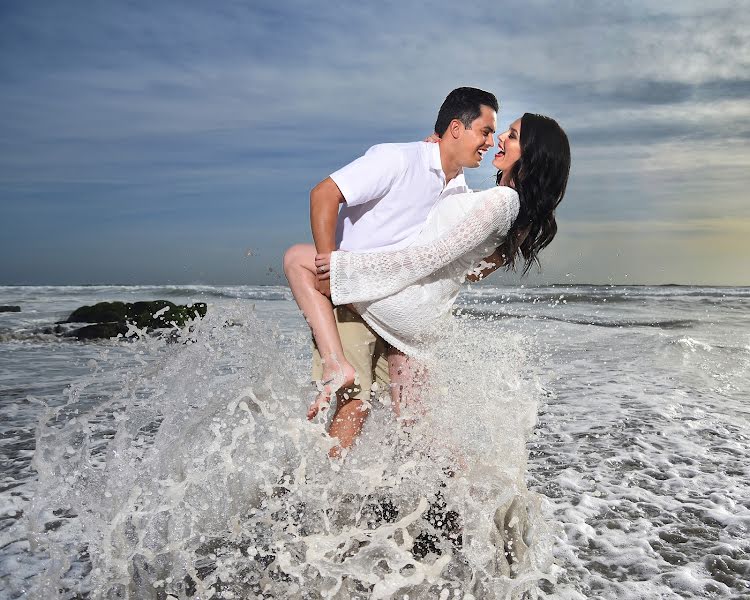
x=323, y=272
x=323, y=265
x=324, y=286
x=434, y=138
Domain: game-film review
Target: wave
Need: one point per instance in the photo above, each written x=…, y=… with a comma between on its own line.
x=242, y=292
x=232, y=294
x=595, y=322
x=47, y=334
x=694, y=345
x=603, y=296
x=198, y=476
x=734, y=298
x=556, y=298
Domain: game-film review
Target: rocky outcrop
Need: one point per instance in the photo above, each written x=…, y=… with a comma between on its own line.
x=10, y=309
x=98, y=331
x=108, y=319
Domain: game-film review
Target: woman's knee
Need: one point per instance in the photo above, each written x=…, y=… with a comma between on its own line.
x=295, y=256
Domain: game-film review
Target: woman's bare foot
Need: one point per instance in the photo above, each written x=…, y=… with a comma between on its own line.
x=340, y=375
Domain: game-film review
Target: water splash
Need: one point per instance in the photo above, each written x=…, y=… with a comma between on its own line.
x=197, y=476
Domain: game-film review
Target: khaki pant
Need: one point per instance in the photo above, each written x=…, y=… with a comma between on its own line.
x=366, y=352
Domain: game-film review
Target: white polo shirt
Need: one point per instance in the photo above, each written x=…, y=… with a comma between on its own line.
x=389, y=193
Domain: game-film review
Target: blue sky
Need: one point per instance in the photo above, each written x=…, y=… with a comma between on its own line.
x=147, y=142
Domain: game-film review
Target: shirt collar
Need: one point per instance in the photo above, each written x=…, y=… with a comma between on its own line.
x=459, y=181
x=436, y=165
x=434, y=155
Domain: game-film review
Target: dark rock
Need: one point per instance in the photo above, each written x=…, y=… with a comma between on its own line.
x=103, y=312
x=98, y=331
x=169, y=314
x=154, y=314
x=10, y=309
x=111, y=318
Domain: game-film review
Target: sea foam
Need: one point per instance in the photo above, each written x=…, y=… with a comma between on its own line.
x=198, y=476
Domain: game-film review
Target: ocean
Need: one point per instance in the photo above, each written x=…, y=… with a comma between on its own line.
x=578, y=442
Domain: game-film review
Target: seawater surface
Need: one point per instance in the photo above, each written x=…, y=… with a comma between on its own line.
x=579, y=442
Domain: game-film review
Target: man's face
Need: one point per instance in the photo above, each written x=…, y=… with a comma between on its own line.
x=475, y=141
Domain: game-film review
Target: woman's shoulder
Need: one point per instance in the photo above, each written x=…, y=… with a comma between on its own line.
x=504, y=200
x=474, y=196
x=469, y=200
x=501, y=199
x=499, y=194
x=498, y=191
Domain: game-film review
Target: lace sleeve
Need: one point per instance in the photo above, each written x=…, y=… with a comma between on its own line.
x=366, y=276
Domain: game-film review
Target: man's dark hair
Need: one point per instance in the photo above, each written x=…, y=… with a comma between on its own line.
x=464, y=104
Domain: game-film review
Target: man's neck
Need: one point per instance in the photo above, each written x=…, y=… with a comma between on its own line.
x=451, y=168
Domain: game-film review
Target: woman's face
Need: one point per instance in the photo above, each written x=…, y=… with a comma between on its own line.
x=509, y=147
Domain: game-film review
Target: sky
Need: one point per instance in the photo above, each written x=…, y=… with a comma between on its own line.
x=176, y=142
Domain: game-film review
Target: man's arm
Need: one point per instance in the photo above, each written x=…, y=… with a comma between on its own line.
x=325, y=199
x=369, y=177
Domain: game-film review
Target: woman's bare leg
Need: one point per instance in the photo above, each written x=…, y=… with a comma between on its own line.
x=299, y=266
x=347, y=423
x=408, y=377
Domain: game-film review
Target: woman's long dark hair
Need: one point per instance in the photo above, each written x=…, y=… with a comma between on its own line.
x=540, y=177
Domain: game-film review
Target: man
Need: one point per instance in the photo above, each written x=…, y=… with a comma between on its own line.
x=378, y=203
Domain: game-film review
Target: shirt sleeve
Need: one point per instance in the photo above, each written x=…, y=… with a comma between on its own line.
x=367, y=276
x=371, y=176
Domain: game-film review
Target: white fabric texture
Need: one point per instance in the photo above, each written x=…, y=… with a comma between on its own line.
x=406, y=295
x=389, y=192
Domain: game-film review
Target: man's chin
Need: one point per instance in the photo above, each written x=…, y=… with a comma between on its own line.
x=473, y=162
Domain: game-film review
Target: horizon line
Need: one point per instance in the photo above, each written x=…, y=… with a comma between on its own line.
x=482, y=283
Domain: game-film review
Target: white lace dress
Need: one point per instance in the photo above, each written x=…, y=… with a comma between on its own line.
x=406, y=295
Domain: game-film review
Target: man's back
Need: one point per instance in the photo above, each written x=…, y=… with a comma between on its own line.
x=389, y=192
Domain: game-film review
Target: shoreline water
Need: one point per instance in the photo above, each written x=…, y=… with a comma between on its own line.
x=638, y=449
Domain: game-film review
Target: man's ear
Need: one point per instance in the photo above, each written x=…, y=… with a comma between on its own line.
x=455, y=129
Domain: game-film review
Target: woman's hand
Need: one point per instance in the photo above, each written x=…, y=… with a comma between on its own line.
x=323, y=265
x=433, y=138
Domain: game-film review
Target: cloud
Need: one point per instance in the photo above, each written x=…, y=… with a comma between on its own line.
x=188, y=114
x=697, y=252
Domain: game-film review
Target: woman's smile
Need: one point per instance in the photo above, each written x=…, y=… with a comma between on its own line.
x=508, y=147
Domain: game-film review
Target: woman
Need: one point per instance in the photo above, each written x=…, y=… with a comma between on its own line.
x=406, y=295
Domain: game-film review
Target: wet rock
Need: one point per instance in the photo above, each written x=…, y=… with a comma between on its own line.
x=50, y=330
x=10, y=309
x=153, y=314
x=102, y=312
x=111, y=318
x=98, y=331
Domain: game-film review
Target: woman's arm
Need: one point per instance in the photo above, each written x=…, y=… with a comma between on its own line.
x=488, y=265
x=497, y=259
x=361, y=277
